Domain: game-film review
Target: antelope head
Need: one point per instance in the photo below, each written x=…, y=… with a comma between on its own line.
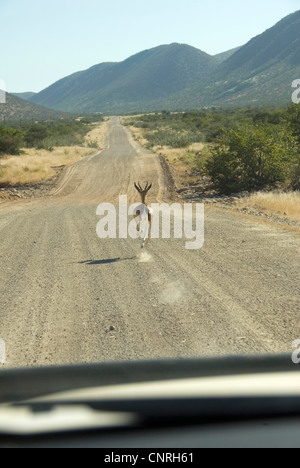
x=143, y=192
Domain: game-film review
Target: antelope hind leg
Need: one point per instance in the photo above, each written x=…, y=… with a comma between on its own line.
x=147, y=240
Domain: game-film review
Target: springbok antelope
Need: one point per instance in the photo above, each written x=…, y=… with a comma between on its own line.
x=144, y=209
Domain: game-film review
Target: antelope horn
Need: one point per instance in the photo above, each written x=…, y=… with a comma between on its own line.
x=137, y=188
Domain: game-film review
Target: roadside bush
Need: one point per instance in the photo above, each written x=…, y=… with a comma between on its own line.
x=293, y=118
x=172, y=138
x=11, y=141
x=295, y=179
x=55, y=133
x=93, y=144
x=35, y=135
x=252, y=158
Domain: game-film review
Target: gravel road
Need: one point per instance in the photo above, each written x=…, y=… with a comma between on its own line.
x=67, y=296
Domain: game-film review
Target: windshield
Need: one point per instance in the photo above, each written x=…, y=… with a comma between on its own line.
x=149, y=181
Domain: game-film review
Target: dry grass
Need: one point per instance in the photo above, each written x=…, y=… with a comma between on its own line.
x=39, y=165
x=137, y=134
x=181, y=160
x=98, y=134
x=275, y=204
x=177, y=155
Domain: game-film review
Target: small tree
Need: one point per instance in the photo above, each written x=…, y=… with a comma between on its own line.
x=252, y=158
x=11, y=141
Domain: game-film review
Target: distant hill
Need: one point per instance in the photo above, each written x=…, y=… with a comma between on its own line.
x=25, y=96
x=225, y=55
x=179, y=77
x=132, y=85
x=259, y=73
x=17, y=109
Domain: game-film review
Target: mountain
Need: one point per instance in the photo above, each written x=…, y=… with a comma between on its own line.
x=132, y=85
x=259, y=73
x=225, y=55
x=25, y=96
x=179, y=77
x=16, y=109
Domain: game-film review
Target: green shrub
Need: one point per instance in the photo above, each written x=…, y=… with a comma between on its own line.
x=293, y=119
x=35, y=135
x=172, y=138
x=253, y=158
x=11, y=140
x=295, y=177
x=56, y=133
x=93, y=144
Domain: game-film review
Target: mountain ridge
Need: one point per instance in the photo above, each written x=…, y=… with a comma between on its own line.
x=26, y=96
x=15, y=109
x=144, y=77
x=259, y=73
x=180, y=77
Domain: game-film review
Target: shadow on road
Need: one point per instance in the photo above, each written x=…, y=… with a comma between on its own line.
x=106, y=261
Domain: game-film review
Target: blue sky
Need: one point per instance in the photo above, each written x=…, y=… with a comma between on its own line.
x=45, y=40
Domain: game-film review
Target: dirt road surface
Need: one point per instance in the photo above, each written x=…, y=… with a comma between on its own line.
x=67, y=296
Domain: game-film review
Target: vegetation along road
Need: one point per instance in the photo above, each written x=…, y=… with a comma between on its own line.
x=67, y=296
